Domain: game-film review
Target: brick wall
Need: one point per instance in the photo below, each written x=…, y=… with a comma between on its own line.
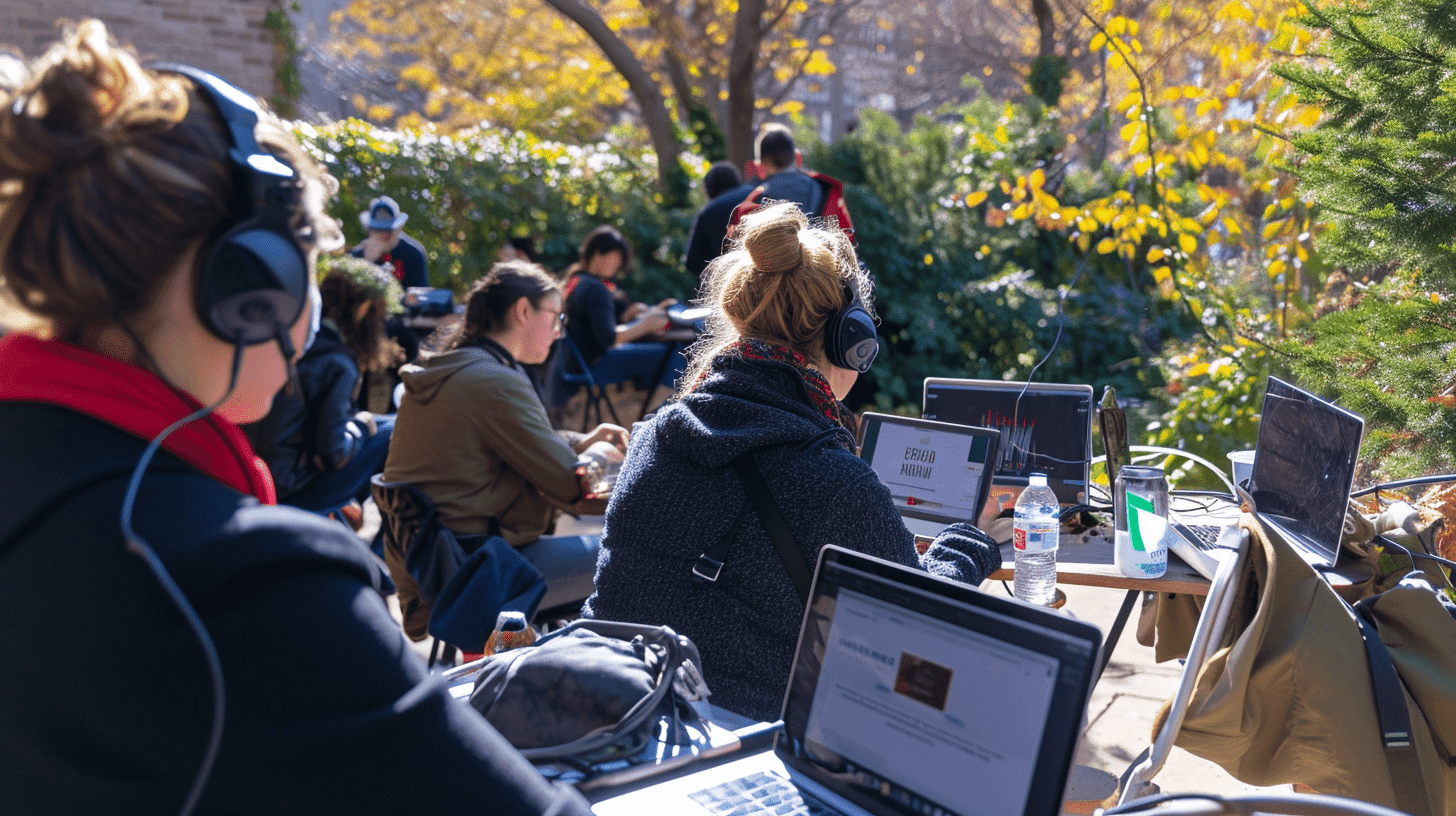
x=226, y=37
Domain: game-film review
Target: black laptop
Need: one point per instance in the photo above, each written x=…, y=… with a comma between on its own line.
x=910, y=694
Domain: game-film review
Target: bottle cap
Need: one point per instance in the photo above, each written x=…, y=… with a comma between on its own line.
x=1037, y=480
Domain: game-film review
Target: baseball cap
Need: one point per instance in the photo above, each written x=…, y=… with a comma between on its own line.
x=383, y=214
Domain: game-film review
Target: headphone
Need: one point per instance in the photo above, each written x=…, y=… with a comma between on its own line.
x=849, y=339
x=252, y=280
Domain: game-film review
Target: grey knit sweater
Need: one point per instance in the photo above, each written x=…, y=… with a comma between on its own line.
x=677, y=495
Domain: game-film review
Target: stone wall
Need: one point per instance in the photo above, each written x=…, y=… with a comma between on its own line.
x=226, y=37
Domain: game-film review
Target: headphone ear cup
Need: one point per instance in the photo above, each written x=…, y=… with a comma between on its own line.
x=850, y=340
x=253, y=283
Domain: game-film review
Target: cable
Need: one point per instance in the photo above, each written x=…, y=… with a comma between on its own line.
x=138, y=546
x=1423, y=480
x=1031, y=375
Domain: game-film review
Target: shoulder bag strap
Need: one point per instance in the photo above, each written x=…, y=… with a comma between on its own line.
x=773, y=523
x=1394, y=718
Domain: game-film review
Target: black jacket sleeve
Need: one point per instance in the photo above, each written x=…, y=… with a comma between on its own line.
x=334, y=436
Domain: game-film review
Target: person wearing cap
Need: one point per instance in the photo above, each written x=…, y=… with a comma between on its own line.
x=388, y=245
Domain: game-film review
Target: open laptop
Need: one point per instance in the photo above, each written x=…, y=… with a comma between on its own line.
x=910, y=694
x=1047, y=429
x=937, y=472
x=1304, y=467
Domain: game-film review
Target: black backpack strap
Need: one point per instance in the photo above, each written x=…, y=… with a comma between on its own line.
x=773, y=522
x=1394, y=718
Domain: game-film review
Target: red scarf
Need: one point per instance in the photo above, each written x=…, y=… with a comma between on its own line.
x=134, y=400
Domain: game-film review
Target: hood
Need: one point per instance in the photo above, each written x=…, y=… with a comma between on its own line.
x=745, y=404
x=423, y=379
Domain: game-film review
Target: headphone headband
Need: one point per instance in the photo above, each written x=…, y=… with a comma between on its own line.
x=252, y=281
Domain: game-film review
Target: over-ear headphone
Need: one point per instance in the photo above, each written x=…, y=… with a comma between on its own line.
x=252, y=281
x=849, y=338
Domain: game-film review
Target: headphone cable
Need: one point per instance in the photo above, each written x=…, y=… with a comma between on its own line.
x=138, y=546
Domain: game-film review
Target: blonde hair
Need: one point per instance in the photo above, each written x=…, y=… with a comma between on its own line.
x=111, y=173
x=781, y=283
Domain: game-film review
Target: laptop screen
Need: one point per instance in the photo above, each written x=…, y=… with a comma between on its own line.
x=1047, y=429
x=915, y=695
x=936, y=471
x=1305, y=463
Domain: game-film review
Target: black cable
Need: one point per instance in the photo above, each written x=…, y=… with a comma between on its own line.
x=1412, y=555
x=1416, y=482
x=138, y=546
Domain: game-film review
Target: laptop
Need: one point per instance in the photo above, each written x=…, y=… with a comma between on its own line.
x=1304, y=467
x=1045, y=428
x=909, y=694
x=937, y=472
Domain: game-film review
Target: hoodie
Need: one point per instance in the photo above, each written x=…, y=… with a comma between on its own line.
x=473, y=435
x=676, y=496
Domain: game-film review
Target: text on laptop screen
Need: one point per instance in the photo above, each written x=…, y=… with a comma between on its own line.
x=921, y=703
x=1307, y=452
x=1048, y=429
x=938, y=471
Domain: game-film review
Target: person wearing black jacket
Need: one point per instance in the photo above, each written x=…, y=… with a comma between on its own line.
x=109, y=701
x=760, y=383
x=726, y=190
x=320, y=450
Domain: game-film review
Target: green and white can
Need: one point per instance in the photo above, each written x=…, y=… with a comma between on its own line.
x=1140, y=511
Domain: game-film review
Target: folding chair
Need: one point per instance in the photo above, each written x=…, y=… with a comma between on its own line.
x=596, y=392
x=1207, y=639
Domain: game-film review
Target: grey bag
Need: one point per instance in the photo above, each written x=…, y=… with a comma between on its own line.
x=591, y=691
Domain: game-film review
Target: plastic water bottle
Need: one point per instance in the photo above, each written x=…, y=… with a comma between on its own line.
x=1035, y=533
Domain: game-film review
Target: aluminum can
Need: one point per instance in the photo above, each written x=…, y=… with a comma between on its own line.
x=1140, y=512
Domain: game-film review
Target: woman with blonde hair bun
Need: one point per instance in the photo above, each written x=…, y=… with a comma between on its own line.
x=172, y=643
x=790, y=331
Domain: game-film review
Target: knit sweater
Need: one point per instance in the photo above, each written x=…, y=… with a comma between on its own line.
x=676, y=496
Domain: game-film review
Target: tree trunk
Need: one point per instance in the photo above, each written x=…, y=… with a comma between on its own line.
x=747, y=36
x=655, y=114
x=1046, y=26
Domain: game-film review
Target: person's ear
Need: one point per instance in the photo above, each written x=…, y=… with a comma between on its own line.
x=522, y=310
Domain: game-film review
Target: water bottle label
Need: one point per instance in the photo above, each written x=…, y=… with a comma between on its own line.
x=1035, y=536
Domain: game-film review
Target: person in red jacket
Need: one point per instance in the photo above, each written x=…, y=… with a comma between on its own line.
x=781, y=166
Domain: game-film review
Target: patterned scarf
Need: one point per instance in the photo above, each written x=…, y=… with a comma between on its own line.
x=818, y=387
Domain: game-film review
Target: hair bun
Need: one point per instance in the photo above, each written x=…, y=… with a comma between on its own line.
x=775, y=247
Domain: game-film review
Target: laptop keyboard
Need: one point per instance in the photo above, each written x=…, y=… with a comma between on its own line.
x=760, y=793
x=1203, y=536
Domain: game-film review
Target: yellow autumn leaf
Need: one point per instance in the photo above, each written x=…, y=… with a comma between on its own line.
x=1156, y=254
x=1106, y=245
x=1021, y=211
x=1002, y=136
x=1277, y=268
x=975, y=199
x=1098, y=40
x=1198, y=370
x=1308, y=117
x=1207, y=105
x=1272, y=228
x=1130, y=131
x=1232, y=226
x=1115, y=61
x=1037, y=179
x=929, y=259
x=1187, y=243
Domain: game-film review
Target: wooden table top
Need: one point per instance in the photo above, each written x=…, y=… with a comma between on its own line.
x=1086, y=560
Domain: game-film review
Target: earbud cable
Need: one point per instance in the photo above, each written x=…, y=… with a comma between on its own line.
x=137, y=545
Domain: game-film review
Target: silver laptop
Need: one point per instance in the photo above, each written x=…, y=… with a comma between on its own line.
x=1304, y=467
x=1045, y=428
x=937, y=472
x=910, y=694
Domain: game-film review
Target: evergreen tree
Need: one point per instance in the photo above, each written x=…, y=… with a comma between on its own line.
x=1381, y=165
